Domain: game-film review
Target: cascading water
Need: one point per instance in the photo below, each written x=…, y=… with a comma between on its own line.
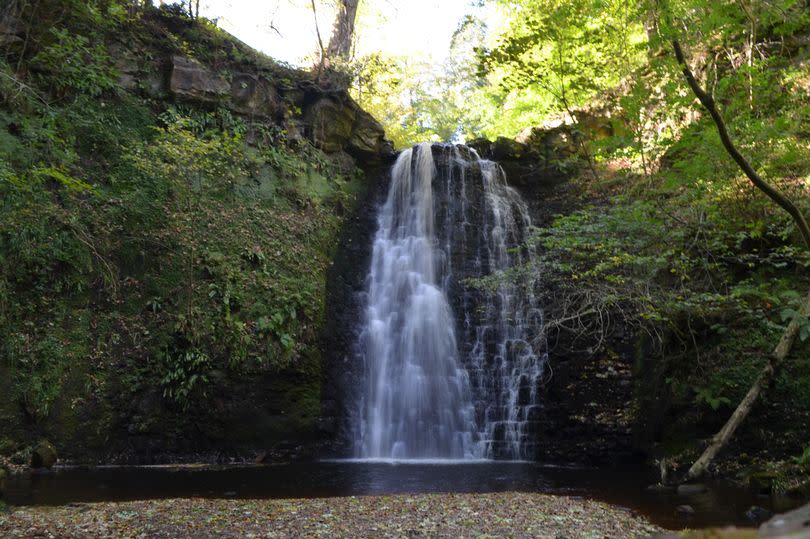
x=417, y=401
x=427, y=393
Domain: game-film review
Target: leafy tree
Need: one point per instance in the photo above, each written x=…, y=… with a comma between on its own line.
x=557, y=55
x=418, y=101
x=686, y=253
x=397, y=92
x=774, y=194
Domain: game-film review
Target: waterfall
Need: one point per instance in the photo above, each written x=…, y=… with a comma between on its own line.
x=451, y=370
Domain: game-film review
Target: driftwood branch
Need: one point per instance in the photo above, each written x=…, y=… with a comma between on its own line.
x=721, y=438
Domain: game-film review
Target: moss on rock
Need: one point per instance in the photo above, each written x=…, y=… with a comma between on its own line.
x=164, y=276
x=43, y=455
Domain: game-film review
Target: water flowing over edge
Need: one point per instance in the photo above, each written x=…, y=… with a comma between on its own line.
x=428, y=395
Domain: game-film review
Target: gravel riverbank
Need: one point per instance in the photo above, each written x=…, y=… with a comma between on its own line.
x=514, y=515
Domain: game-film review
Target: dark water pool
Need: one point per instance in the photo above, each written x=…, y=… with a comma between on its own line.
x=722, y=504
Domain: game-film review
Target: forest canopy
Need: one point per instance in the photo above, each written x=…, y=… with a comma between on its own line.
x=518, y=63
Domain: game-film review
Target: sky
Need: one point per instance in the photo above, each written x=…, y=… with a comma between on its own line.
x=285, y=29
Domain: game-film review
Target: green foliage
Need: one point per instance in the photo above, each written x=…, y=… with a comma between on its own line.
x=546, y=58
x=803, y=460
x=239, y=307
x=405, y=95
x=556, y=55
x=184, y=373
x=38, y=368
x=629, y=257
x=150, y=247
x=417, y=100
x=71, y=63
x=705, y=395
x=789, y=314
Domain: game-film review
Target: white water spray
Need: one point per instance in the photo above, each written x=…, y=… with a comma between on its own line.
x=427, y=396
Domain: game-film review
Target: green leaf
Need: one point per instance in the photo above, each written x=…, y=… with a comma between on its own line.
x=788, y=314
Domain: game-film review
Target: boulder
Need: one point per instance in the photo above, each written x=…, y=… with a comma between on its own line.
x=690, y=489
x=795, y=523
x=255, y=96
x=368, y=137
x=758, y=515
x=685, y=510
x=553, y=143
x=595, y=126
x=43, y=455
x=191, y=80
x=508, y=149
x=330, y=124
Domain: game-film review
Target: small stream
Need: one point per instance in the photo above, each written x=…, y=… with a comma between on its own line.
x=722, y=504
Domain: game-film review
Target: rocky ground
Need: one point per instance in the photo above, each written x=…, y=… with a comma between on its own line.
x=436, y=515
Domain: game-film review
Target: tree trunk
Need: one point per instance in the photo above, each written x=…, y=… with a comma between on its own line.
x=322, y=59
x=771, y=192
x=721, y=438
x=788, y=338
x=340, y=44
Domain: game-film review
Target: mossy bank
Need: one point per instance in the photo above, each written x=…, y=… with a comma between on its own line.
x=171, y=203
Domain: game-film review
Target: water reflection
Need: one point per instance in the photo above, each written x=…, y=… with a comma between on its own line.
x=721, y=504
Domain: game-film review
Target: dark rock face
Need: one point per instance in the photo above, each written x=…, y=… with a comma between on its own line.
x=531, y=169
x=191, y=80
x=255, y=96
x=328, y=117
x=334, y=126
x=346, y=282
x=330, y=124
x=585, y=417
x=43, y=455
x=367, y=138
